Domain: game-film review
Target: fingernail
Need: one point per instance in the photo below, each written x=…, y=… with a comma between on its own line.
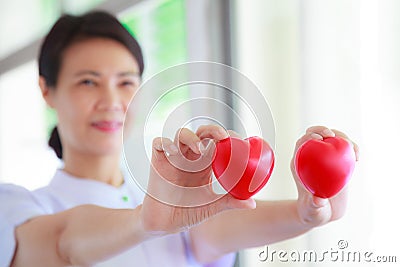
x=316, y=136
x=222, y=132
x=320, y=202
x=172, y=150
x=196, y=147
x=328, y=132
x=158, y=147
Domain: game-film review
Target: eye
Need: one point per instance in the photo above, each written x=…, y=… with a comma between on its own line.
x=129, y=84
x=87, y=82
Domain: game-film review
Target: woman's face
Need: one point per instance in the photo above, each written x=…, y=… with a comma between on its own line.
x=96, y=82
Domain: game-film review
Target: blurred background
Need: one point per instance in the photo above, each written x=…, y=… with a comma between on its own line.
x=330, y=62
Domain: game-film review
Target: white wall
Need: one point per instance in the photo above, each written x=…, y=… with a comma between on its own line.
x=23, y=136
x=267, y=42
x=333, y=63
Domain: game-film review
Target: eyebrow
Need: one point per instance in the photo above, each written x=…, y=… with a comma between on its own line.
x=95, y=73
x=85, y=72
x=128, y=73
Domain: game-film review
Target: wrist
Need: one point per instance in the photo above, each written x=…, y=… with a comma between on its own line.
x=311, y=212
x=144, y=228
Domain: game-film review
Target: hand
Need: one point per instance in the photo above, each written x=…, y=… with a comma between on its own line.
x=180, y=194
x=312, y=210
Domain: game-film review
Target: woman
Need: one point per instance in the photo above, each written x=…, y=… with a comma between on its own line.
x=89, y=69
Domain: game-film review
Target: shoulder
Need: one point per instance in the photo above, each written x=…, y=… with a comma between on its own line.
x=17, y=204
x=11, y=193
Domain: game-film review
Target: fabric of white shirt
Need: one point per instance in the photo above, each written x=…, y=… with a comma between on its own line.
x=17, y=205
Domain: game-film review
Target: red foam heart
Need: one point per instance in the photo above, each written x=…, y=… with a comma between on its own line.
x=243, y=167
x=325, y=166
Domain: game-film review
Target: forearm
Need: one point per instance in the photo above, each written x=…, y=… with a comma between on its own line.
x=234, y=230
x=80, y=236
x=106, y=232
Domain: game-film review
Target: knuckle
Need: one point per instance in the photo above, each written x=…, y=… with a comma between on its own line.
x=316, y=128
x=156, y=140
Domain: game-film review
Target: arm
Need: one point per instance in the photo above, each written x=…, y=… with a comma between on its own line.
x=79, y=236
x=271, y=221
x=88, y=234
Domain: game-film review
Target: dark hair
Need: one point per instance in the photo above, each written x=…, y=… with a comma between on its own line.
x=55, y=142
x=69, y=29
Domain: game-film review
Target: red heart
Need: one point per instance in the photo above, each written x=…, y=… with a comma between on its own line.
x=325, y=166
x=243, y=167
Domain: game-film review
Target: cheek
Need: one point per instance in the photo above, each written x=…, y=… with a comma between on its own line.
x=72, y=111
x=129, y=110
x=70, y=124
x=129, y=122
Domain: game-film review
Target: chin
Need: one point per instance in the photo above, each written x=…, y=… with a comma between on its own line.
x=108, y=149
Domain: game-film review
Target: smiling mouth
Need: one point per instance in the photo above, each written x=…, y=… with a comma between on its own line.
x=107, y=126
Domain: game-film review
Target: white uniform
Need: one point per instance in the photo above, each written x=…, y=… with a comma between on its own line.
x=65, y=191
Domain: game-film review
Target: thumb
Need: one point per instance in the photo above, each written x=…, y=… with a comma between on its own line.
x=319, y=202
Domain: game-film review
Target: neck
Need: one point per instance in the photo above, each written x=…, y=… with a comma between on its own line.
x=104, y=169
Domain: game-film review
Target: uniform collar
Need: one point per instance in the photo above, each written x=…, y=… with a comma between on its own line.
x=82, y=191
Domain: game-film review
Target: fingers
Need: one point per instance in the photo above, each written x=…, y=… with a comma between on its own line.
x=215, y=132
x=320, y=132
x=339, y=133
x=233, y=134
x=315, y=132
x=163, y=146
x=318, y=202
x=355, y=146
x=185, y=137
x=212, y=131
x=305, y=138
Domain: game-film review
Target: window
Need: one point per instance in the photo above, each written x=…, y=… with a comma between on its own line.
x=23, y=130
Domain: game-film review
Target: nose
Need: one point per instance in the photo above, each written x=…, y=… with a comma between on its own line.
x=110, y=100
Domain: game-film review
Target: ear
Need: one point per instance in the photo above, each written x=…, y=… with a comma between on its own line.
x=46, y=92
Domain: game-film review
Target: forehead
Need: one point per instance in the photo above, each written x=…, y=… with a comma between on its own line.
x=100, y=54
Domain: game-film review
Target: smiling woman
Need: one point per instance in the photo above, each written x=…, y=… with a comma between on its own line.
x=88, y=44
x=89, y=68
x=97, y=79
